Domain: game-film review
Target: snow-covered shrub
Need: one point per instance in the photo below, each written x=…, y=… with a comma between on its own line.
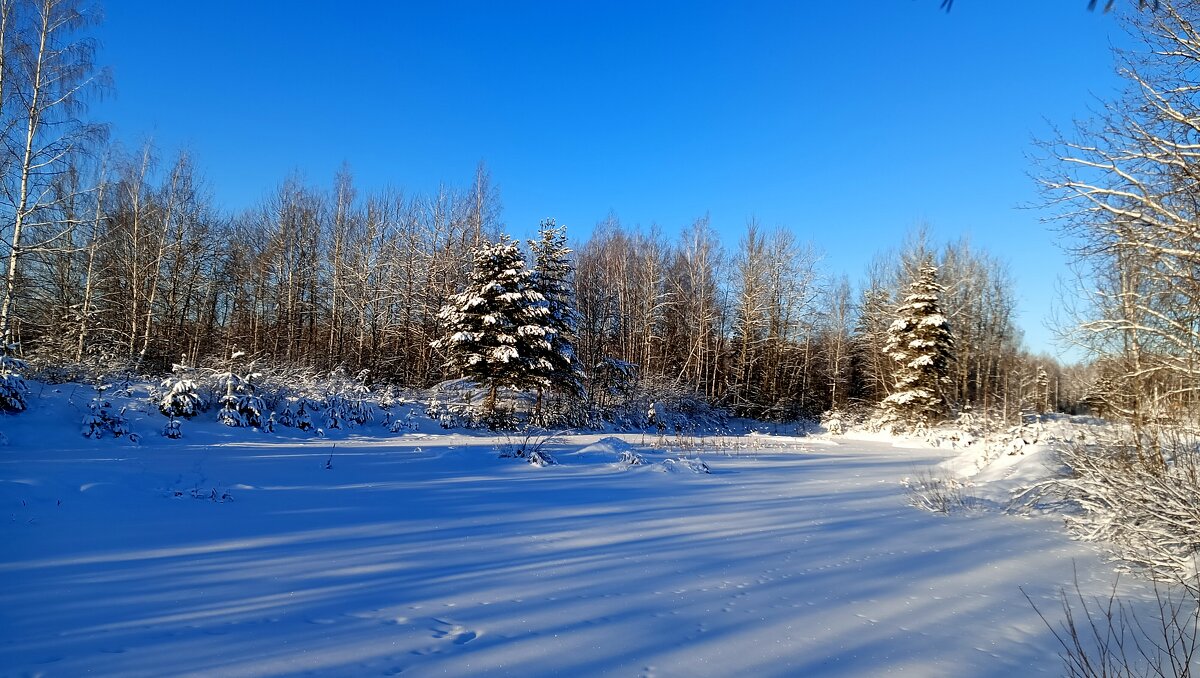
x=337, y=412
x=347, y=400
x=241, y=410
x=630, y=458
x=936, y=493
x=1140, y=498
x=94, y=419
x=12, y=382
x=303, y=420
x=530, y=444
x=103, y=419
x=389, y=397
x=287, y=417
x=456, y=403
x=832, y=422
x=278, y=383
x=119, y=425
x=180, y=398
x=541, y=459
x=357, y=394
x=240, y=406
x=407, y=422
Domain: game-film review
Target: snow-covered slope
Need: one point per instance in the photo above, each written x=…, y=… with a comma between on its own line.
x=235, y=553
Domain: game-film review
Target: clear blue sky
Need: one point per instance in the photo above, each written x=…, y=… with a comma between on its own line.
x=847, y=121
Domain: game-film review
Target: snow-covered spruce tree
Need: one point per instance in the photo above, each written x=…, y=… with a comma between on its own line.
x=1042, y=395
x=240, y=406
x=180, y=400
x=552, y=278
x=100, y=418
x=495, y=329
x=921, y=344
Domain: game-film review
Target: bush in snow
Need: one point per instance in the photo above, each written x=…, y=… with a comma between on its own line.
x=408, y=422
x=297, y=413
x=337, y=412
x=831, y=421
x=303, y=420
x=541, y=459
x=456, y=403
x=630, y=458
x=102, y=418
x=180, y=399
x=347, y=403
x=12, y=383
x=240, y=406
x=930, y=492
x=531, y=445
x=287, y=417
x=357, y=393
x=1138, y=495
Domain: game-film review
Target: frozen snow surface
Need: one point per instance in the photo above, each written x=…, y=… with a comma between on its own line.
x=238, y=553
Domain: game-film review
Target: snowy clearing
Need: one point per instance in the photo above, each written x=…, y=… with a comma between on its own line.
x=235, y=553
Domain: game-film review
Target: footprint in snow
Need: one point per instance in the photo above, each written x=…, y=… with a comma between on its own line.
x=455, y=633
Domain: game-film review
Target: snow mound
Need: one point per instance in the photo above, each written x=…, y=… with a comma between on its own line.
x=1000, y=468
x=684, y=465
x=610, y=445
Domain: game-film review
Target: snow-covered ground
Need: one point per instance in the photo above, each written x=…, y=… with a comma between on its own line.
x=235, y=553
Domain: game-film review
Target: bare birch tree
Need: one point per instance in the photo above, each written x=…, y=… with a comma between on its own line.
x=47, y=71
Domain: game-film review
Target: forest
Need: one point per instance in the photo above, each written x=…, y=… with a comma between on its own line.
x=119, y=261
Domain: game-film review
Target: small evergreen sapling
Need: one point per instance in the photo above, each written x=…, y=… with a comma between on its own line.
x=303, y=420
x=181, y=399
x=100, y=419
x=12, y=384
x=287, y=417
x=94, y=419
x=240, y=406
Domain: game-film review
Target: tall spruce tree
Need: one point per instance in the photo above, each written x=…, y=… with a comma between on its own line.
x=552, y=277
x=921, y=344
x=495, y=329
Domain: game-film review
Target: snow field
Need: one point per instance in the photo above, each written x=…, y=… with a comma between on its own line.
x=425, y=554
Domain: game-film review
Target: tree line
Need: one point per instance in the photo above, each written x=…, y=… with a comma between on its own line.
x=120, y=259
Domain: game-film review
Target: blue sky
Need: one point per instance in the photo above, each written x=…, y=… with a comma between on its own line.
x=846, y=121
